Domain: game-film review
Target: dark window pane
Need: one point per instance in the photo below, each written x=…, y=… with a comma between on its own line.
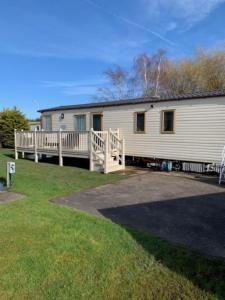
x=140, y=122
x=97, y=122
x=168, y=121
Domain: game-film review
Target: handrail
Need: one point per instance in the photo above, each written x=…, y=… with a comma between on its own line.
x=98, y=149
x=115, y=144
x=74, y=131
x=115, y=136
x=117, y=148
x=95, y=133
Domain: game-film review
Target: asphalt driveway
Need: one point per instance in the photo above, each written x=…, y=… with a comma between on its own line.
x=181, y=209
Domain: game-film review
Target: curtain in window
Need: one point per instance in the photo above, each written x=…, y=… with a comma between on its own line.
x=48, y=123
x=80, y=122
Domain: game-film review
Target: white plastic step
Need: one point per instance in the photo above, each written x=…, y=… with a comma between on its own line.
x=113, y=163
x=115, y=168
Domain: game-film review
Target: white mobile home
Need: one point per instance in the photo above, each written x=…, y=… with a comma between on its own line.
x=186, y=128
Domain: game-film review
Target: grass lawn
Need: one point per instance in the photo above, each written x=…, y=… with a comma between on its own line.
x=53, y=252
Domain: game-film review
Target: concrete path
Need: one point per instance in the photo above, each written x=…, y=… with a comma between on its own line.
x=6, y=197
x=181, y=209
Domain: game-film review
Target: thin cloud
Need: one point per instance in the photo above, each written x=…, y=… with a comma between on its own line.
x=186, y=12
x=130, y=22
x=75, y=88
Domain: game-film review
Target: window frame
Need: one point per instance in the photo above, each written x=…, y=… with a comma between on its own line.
x=78, y=115
x=174, y=121
x=135, y=122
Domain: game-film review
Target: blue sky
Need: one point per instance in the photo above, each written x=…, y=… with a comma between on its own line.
x=54, y=52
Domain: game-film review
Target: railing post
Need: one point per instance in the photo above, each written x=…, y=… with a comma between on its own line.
x=118, y=132
x=35, y=146
x=23, y=151
x=91, y=166
x=60, y=147
x=123, y=154
x=106, y=154
x=110, y=140
x=15, y=144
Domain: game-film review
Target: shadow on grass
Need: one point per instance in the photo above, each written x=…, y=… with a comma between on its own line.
x=54, y=160
x=206, y=273
x=67, y=161
x=9, y=154
x=2, y=184
x=3, y=179
x=197, y=222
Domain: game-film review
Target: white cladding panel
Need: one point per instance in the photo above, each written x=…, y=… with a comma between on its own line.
x=199, y=128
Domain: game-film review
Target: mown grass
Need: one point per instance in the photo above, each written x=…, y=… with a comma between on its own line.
x=53, y=252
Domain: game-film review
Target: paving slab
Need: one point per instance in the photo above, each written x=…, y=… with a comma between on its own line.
x=186, y=210
x=6, y=197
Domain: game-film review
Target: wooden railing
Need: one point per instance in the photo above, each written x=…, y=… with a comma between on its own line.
x=105, y=148
x=24, y=139
x=47, y=140
x=50, y=140
x=117, y=146
x=75, y=140
x=53, y=142
x=98, y=149
x=98, y=139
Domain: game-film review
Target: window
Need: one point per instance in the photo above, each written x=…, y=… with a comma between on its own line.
x=80, y=122
x=139, y=125
x=168, y=121
x=48, y=123
x=97, y=122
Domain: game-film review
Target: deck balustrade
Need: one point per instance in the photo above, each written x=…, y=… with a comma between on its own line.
x=104, y=148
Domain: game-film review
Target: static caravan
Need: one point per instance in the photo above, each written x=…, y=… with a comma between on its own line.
x=181, y=128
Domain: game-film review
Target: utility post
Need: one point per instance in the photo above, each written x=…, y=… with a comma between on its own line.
x=10, y=170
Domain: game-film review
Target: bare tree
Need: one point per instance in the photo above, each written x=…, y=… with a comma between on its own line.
x=148, y=71
x=152, y=76
x=118, y=84
x=211, y=68
x=142, y=69
x=204, y=72
x=180, y=78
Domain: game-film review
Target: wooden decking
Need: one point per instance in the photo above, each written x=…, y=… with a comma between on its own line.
x=105, y=149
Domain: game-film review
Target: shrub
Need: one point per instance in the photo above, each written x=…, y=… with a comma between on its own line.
x=11, y=119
